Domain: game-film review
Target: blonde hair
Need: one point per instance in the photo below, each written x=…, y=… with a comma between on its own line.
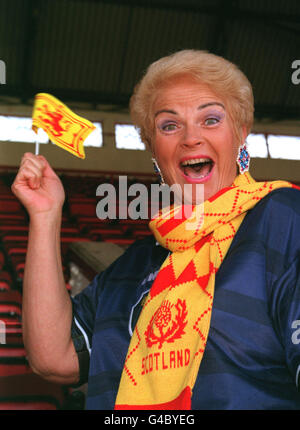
x=224, y=78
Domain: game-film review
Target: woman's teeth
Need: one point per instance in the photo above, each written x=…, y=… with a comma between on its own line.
x=197, y=167
x=196, y=161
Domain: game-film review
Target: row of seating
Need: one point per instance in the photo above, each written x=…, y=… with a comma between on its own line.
x=20, y=388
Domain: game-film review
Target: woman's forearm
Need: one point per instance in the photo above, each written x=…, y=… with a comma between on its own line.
x=47, y=309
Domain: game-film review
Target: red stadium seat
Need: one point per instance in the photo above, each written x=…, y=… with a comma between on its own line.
x=11, y=229
x=65, y=230
x=10, y=311
x=5, y=281
x=2, y=259
x=84, y=206
x=13, y=297
x=15, y=250
x=10, y=306
x=141, y=234
x=106, y=231
x=12, y=219
x=86, y=223
x=15, y=238
x=33, y=404
x=119, y=241
x=4, y=286
x=14, y=338
x=13, y=359
x=133, y=222
x=10, y=205
x=30, y=392
x=13, y=327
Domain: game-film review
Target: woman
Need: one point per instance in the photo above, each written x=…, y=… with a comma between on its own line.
x=188, y=319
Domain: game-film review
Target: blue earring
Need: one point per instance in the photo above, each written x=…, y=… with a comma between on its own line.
x=243, y=159
x=158, y=172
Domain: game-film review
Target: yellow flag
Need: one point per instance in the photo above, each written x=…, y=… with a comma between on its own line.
x=64, y=127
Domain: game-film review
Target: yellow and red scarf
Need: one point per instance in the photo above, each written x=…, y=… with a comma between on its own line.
x=169, y=339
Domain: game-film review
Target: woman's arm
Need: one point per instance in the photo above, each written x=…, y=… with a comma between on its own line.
x=47, y=308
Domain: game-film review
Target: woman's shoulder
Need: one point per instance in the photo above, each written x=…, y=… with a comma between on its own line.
x=281, y=201
x=274, y=222
x=275, y=218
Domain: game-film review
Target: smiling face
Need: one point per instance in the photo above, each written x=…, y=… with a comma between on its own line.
x=194, y=142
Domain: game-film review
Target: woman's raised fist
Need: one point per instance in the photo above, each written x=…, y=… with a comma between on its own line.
x=37, y=186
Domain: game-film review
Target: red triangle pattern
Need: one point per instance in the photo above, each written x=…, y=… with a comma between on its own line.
x=164, y=279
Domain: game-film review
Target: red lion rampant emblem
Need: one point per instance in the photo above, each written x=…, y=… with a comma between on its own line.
x=163, y=328
x=54, y=121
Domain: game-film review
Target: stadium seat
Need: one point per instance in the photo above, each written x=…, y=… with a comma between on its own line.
x=12, y=219
x=12, y=338
x=13, y=359
x=5, y=281
x=13, y=327
x=10, y=205
x=13, y=297
x=15, y=238
x=17, y=250
x=11, y=229
x=10, y=306
x=20, y=388
x=86, y=223
x=105, y=231
x=30, y=392
x=141, y=234
x=5, y=285
x=10, y=312
x=82, y=206
x=2, y=259
x=119, y=241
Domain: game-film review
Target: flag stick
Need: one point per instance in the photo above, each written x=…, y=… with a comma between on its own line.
x=37, y=148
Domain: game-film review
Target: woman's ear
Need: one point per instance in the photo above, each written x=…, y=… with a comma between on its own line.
x=244, y=133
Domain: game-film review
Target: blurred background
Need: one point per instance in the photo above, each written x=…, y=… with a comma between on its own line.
x=90, y=54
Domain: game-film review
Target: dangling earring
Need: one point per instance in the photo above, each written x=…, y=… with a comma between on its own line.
x=158, y=171
x=243, y=158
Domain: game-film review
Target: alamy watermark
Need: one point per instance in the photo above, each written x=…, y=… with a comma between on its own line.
x=296, y=74
x=2, y=72
x=141, y=202
x=296, y=333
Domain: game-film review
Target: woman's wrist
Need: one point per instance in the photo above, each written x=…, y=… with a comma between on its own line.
x=46, y=220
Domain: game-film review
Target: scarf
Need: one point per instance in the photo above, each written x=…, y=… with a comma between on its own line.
x=169, y=339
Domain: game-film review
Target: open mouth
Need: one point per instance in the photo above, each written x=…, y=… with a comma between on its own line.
x=197, y=168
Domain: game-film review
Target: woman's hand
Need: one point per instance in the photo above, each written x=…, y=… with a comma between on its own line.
x=37, y=186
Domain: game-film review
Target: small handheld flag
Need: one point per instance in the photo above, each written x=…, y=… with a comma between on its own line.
x=64, y=127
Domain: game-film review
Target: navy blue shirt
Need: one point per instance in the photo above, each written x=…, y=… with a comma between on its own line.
x=252, y=357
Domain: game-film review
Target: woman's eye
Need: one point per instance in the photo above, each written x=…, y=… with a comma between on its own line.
x=168, y=127
x=211, y=121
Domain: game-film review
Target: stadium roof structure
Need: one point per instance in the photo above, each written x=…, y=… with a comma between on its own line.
x=94, y=51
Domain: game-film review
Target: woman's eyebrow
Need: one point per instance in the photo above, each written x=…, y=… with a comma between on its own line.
x=165, y=111
x=210, y=104
x=198, y=108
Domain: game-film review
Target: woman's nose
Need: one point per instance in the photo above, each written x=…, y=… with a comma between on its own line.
x=192, y=136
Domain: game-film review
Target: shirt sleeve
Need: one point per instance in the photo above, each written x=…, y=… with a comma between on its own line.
x=84, y=312
x=284, y=289
x=287, y=316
